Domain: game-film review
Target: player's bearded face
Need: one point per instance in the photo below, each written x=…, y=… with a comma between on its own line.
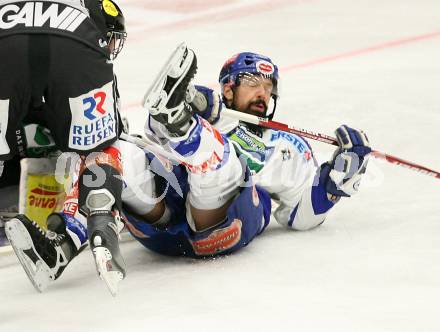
x=252, y=96
x=257, y=107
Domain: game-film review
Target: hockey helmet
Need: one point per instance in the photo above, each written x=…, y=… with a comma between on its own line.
x=115, y=23
x=242, y=65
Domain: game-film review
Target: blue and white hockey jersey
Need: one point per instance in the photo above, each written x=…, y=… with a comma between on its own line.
x=282, y=164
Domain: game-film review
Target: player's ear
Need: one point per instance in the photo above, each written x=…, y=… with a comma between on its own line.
x=228, y=94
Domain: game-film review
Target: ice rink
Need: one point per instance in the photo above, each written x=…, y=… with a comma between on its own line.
x=374, y=265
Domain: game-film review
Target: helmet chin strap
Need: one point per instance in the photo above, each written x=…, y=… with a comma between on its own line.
x=270, y=117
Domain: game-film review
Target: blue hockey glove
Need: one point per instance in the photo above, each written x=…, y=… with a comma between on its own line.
x=204, y=102
x=342, y=175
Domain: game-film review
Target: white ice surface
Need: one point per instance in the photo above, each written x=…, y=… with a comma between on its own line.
x=373, y=266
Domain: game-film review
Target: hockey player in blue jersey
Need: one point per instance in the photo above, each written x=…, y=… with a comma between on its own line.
x=213, y=195
x=233, y=169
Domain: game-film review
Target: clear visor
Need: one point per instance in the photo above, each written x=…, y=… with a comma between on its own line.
x=259, y=80
x=116, y=41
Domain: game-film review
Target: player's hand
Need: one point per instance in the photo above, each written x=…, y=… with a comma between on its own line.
x=204, y=102
x=349, y=163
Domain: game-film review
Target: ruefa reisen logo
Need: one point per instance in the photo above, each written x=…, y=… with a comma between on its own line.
x=93, y=118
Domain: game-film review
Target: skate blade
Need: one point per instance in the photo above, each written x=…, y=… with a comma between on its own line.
x=155, y=95
x=112, y=278
x=38, y=272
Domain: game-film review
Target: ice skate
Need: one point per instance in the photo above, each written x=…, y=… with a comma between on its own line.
x=103, y=232
x=165, y=99
x=43, y=254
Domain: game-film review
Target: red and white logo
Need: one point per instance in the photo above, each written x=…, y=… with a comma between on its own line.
x=70, y=207
x=219, y=240
x=265, y=67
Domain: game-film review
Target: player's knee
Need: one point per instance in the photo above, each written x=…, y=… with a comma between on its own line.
x=101, y=176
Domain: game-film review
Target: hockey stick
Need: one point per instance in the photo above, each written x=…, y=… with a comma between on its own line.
x=248, y=118
x=150, y=146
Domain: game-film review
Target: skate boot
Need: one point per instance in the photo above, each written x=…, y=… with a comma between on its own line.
x=43, y=254
x=103, y=231
x=165, y=99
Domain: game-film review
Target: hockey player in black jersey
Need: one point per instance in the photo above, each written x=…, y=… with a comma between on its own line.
x=56, y=60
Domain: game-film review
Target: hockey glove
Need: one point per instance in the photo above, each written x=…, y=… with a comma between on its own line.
x=342, y=175
x=204, y=102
